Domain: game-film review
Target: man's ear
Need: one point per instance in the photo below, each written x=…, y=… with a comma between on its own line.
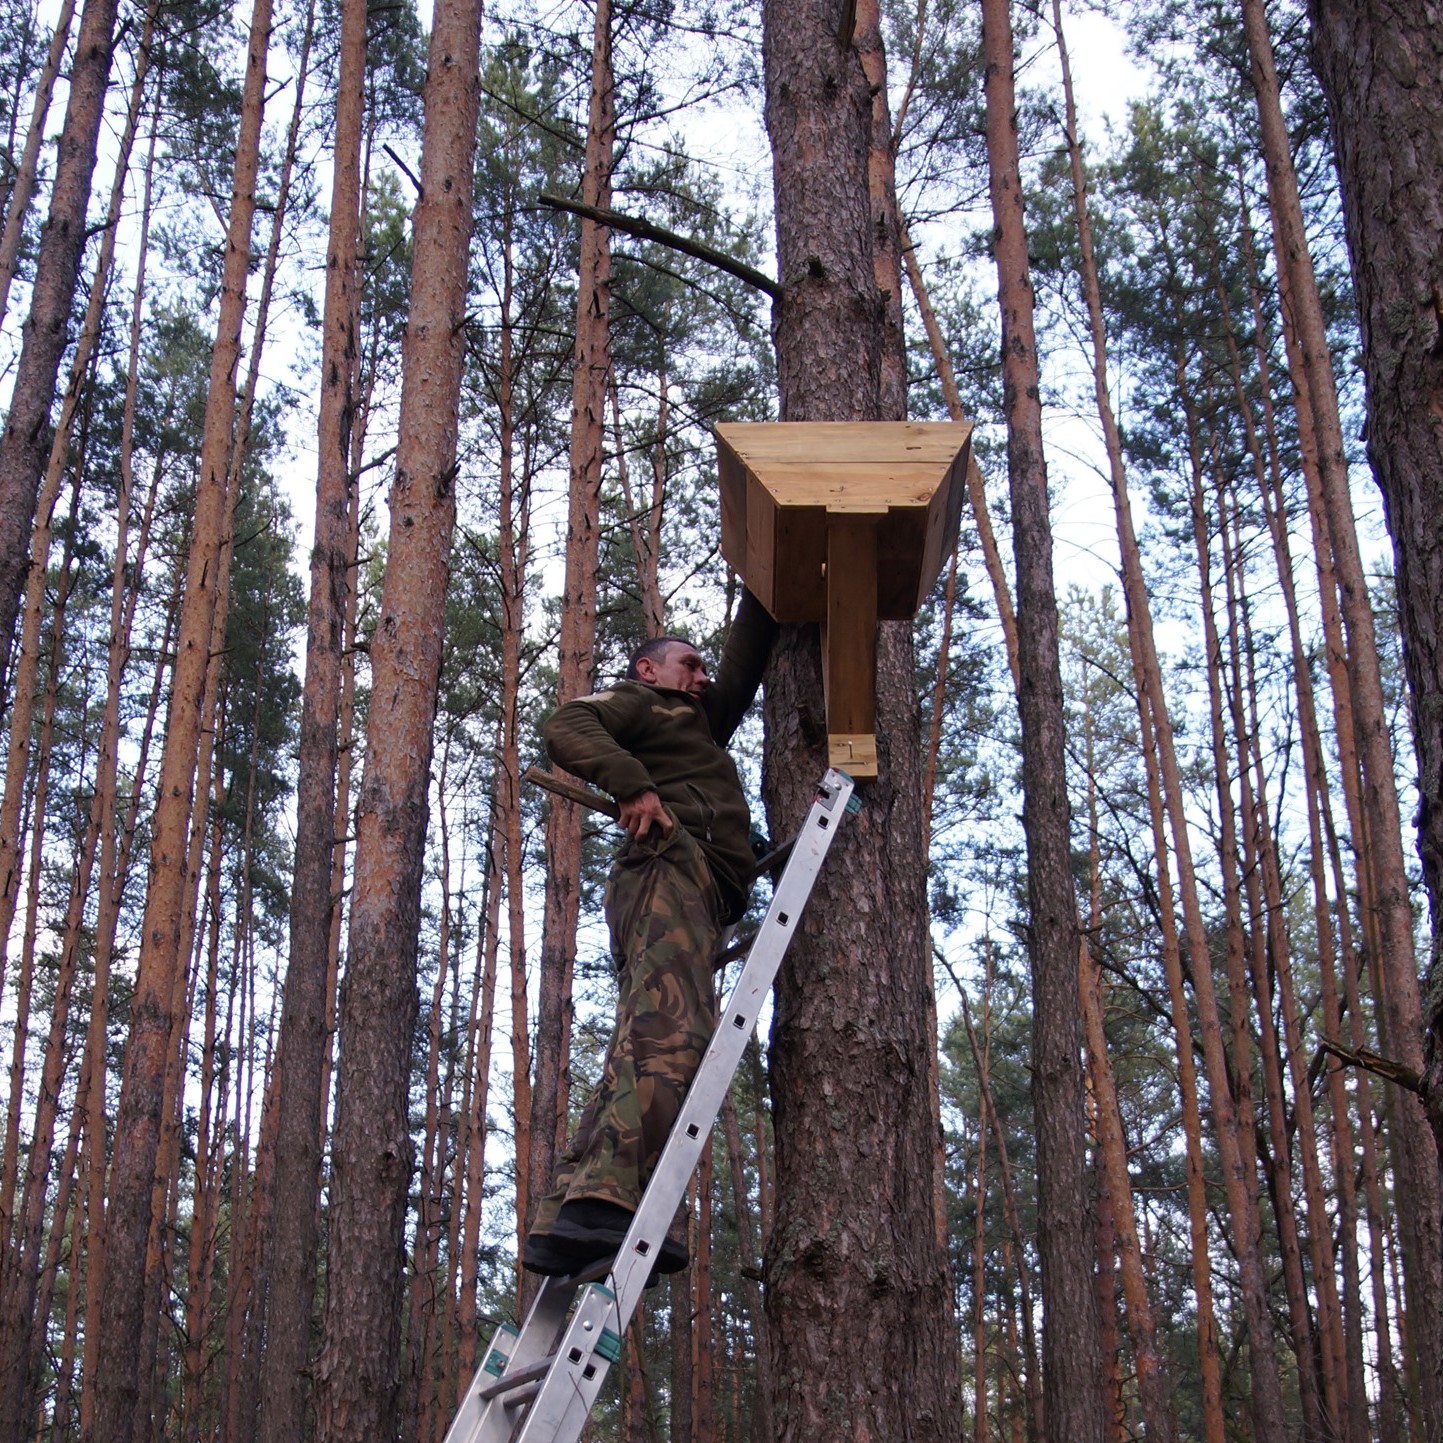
x=646, y=670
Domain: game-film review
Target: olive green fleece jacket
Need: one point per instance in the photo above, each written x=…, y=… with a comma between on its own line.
x=635, y=738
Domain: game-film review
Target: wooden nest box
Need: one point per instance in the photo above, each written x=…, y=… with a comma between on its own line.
x=846, y=524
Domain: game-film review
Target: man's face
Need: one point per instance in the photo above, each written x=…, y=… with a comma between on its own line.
x=679, y=667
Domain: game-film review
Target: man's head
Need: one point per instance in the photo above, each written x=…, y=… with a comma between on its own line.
x=670, y=661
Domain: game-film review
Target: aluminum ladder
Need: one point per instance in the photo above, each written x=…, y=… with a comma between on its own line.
x=537, y=1384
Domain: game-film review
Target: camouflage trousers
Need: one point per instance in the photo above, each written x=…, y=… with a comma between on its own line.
x=663, y=910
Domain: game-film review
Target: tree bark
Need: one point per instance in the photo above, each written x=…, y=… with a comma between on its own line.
x=592, y=366
x=371, y=1151
x=852, y=1250
x=290, y=1299
x=1401, y=312
x=1377, y=65
x=25, y=441
x=138, y=1117
x=1071, y=1349
x=17, y=203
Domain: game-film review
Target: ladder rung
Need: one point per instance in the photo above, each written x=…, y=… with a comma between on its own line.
x=516, y=1380
x=593, y=1272
x=522, y=1396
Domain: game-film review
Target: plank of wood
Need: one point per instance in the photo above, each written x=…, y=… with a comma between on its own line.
x=856, y=442
x=572, y=791
x=855, y=755
x=850, y=660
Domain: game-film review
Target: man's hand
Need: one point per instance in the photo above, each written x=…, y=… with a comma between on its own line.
x=641, y=812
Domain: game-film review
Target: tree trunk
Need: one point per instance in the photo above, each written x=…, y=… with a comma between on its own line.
x=475, y=1125
x=371, y=1151
x=17, y=203
x=1071, y=1349
x=1377, y=72
x=592, y=366
x=513, y=527
x=25, y=441
x=139, y=1116
x=1316, y=787
x=1397, y=267
x=853, y=1246
x=1015, y=1251
x=703, y=1319
x=747, y=1261
x=290, y=1299
x=976, y=493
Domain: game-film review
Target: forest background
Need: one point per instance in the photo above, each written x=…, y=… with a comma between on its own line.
x=1259, y=1233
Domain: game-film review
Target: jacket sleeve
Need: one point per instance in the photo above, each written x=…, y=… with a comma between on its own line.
x=586, y=738
x=739, y=674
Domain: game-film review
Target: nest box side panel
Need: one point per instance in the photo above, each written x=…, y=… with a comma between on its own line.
x=732, y=483
x=944, y=520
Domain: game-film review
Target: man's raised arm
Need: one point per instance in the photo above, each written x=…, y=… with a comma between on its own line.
x=739, y=673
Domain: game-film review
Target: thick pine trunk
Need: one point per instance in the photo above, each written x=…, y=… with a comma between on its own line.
x=25, y=442
x=1379, y=67
x=371, y=1151
x=859, y=1302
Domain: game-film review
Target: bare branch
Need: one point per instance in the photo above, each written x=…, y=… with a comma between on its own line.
x=645, y=230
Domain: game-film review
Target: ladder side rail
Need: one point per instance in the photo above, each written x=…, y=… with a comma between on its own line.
x=512, y=1351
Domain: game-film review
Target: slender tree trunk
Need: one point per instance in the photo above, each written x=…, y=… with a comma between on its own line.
x=1405, y=310
x=1071, y=1349
x=476, y=1125
x=17, y=202
x=20, y=1258
x=976, y=492
x=1209, y=1363
x=290, y=1299
x=25, y=441
x=1316, y=788
x=1154, y=1392
x=592, y=366
x=982, y=1058
x=679, y=1304
x=1033, y=1386
x=748, y=1267
x=1238, y=1176
x=513, y=529
x=22, y=1355
x=853, y=1234
x=1277, y=1161
x=703, y=1322
x=58, y=456
x=424, y=1305
x=139, y=1116
x=371, y=1153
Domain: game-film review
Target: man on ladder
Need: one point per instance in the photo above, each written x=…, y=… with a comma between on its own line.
x=657, y=743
